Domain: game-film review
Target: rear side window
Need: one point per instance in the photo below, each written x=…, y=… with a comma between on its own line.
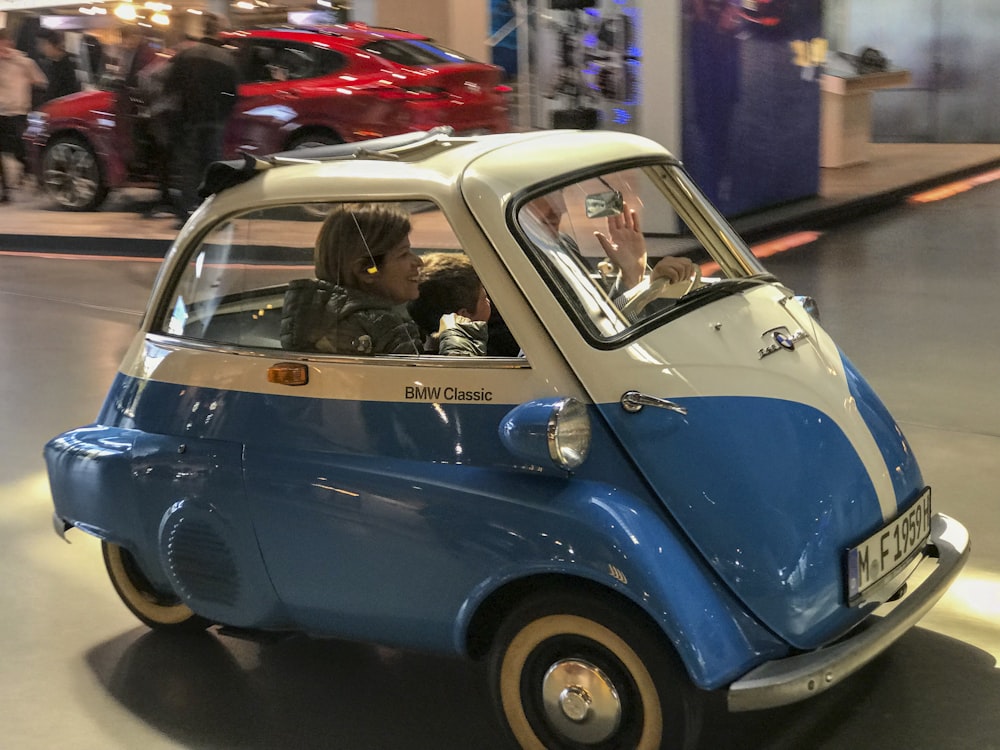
x=252, y=282
x=414, y=52
x=267, y=60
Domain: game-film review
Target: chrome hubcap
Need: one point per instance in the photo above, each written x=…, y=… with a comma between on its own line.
x=70, y=174
x=580, y=701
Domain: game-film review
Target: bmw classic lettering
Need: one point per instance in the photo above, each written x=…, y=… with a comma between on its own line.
x=446, y=393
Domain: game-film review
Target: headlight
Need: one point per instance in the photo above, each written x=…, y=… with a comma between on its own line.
x=549, y=430
x=569, y=433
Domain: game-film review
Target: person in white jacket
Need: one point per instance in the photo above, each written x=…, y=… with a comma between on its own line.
x=18, y=75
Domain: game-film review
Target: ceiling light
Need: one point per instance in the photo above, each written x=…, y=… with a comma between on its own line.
x=125, y=11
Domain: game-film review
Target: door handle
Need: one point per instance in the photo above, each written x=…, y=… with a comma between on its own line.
x=633, y=401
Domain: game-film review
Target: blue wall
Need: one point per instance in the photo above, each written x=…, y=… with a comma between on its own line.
x=751, y=100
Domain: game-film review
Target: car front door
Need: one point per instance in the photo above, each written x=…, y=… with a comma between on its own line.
x=280, y=97
x=379, y=487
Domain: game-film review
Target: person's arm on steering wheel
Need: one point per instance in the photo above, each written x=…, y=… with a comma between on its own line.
x=673, y=269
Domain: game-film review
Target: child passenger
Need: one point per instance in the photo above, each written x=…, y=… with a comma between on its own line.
x=452, y=308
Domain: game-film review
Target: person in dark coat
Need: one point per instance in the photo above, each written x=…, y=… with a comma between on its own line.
x=203, y=78
x=58, y=65
x=95, y=56
x=136, y=54
x=147, y=151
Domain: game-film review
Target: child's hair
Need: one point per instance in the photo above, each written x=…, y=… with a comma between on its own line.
x=448, y=283
x=355, y=232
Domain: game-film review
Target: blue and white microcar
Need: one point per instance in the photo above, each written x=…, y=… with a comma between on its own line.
x=639, y=496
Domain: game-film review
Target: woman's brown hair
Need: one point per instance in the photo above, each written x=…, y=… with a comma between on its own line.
x=355, y=236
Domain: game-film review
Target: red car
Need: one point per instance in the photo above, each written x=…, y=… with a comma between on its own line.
x=301, y=87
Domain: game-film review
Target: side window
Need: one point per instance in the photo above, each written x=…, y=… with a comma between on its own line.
x=354, y=279
x=270, y=60
x=254, y=60
x=232, y=288
x=328, y=61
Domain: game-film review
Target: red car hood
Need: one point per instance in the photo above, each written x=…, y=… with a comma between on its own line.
x=78, y=104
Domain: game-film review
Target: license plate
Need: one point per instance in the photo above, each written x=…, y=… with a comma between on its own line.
x=892, y=546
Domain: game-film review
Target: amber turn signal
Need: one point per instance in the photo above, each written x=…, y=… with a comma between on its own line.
x=288, y=373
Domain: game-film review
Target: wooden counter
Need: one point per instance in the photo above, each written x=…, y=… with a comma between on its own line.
x=846, y=114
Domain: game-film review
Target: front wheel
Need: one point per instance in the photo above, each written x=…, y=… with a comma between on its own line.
x=570, y=672
x=71, y=174
x=154, y=608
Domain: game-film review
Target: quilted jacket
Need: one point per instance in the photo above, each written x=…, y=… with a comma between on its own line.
x=324, y=317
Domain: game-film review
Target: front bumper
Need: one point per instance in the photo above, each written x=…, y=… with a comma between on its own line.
x=784, y=681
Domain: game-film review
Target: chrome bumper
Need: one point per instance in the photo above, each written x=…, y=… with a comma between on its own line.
x=783, y=681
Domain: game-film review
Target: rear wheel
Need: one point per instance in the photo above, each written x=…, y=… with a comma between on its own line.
x=154, y=608
x=71, y=174
x=570, y=672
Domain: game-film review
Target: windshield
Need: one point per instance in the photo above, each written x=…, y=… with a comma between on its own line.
x=626, y=247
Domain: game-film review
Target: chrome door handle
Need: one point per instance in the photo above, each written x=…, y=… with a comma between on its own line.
x=633, y=401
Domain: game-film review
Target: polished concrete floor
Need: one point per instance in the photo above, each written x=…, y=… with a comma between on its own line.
x=909, y=294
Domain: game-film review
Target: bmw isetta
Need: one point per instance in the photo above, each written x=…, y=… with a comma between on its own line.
x=655, y=491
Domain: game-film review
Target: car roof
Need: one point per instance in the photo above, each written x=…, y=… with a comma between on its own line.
x=504, y=163
x=351, y=34
x=222, y=175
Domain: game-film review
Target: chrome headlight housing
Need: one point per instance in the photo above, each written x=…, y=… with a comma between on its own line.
x=548, y=431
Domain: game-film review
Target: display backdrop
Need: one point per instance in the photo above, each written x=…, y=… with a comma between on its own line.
x=588, y=64
x=750, y=93
x=731, y=86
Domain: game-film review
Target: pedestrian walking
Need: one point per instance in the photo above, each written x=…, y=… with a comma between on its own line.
x=203, y=78
x=135, y=54
x=146, y=146
x=58, y=65
x=18, y=75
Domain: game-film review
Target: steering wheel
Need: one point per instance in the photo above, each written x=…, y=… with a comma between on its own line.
x=660, y=288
